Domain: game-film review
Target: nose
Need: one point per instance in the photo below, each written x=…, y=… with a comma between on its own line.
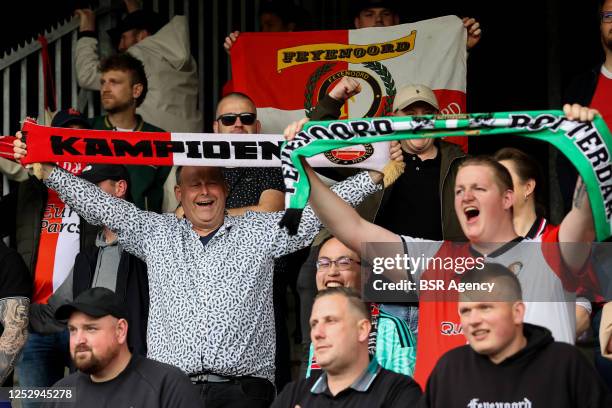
x=317, y=332
x=77, y=337
x=474, y=318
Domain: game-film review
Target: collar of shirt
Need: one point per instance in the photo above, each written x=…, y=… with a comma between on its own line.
x=223, y=229
x=361, y=384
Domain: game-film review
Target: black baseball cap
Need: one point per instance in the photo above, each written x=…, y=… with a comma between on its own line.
x=95, y=302
x=96, y=173
x=360, y=5
x=70, y=116
x=137, y=20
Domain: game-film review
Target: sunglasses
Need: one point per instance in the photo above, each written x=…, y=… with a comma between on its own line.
x=246, y=118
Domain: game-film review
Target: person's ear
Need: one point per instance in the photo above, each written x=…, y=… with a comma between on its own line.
x=121, y=187
x=357, y=22
x=257, y=126
x=122, y=330
x=530, y=186
x=216, y=126
x=364, y=327
x=518, y=312
x=396, y=19
x=137, y=90
x=141, y=35
x=508, y=199
x=291, y=27
x=177, y=193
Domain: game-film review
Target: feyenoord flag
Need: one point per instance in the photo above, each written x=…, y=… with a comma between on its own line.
x=286, y=74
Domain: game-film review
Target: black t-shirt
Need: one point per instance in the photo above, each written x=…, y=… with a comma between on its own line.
x=143, y=383
x=413, y=206
x=15, y=280
x=247, y=183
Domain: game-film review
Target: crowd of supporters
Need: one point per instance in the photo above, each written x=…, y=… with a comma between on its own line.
x=165, y=286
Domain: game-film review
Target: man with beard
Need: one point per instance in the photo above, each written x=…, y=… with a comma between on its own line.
x=123, y=88
x=109, y=374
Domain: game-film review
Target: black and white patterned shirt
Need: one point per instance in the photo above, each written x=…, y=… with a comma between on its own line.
x=210, y=307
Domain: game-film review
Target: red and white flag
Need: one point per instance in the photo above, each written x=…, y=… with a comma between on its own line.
x=286, y=74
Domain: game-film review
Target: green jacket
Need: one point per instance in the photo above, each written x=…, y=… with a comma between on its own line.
x=146, y=182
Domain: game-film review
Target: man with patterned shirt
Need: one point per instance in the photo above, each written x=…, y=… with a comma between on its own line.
x=210, y=276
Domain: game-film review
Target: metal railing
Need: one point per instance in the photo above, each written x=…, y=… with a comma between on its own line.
x=21, y=70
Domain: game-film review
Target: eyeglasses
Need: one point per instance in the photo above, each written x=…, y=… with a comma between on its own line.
x=246, y=118
x=343, y=263
x=606, y=16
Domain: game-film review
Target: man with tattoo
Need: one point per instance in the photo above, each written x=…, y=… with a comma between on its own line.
x=15, y=292
x=109, y=374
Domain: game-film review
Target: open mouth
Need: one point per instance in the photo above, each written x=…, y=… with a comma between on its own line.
x=334, y=284
x=471, y=213
x=204, y=203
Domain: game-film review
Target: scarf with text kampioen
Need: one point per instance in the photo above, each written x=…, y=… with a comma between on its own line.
x=586, y=144
x=47, y=144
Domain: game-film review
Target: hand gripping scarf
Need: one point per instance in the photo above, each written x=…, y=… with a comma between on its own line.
x=586, y=144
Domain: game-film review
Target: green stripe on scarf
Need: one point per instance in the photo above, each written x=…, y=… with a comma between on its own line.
x=587, y=145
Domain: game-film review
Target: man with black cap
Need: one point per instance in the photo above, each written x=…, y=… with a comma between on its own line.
x=109, y=374
x=49, y=234
x=165, y=52
x=107, y=265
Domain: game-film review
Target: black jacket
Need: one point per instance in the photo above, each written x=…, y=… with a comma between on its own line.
x=132, y=286
x=545, y=374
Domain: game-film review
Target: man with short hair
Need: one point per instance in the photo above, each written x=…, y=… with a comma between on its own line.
x=429, y=167
x=483, y=203
x=210, y=276
x=509, y=362
x=109, y=375
x=164, y=50
x=340, y=329
x=123, y=88
x=391, y=341
x=108, y=265
x=250, y=188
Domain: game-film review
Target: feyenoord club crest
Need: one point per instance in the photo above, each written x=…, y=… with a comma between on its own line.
x=321, y=81
x=352, y=155
x=379, y=105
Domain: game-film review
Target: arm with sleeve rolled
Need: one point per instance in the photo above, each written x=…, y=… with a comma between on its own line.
x=87, y=60
x=605, y=331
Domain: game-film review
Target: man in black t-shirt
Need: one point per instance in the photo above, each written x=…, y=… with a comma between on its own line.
x=109, y=375
x=340, y=329
x=15, y=292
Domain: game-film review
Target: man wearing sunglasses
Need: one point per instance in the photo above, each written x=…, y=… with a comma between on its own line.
x=391, y=341
x=262, y=190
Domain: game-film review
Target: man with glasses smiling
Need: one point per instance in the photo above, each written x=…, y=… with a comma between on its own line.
x=390, y=341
